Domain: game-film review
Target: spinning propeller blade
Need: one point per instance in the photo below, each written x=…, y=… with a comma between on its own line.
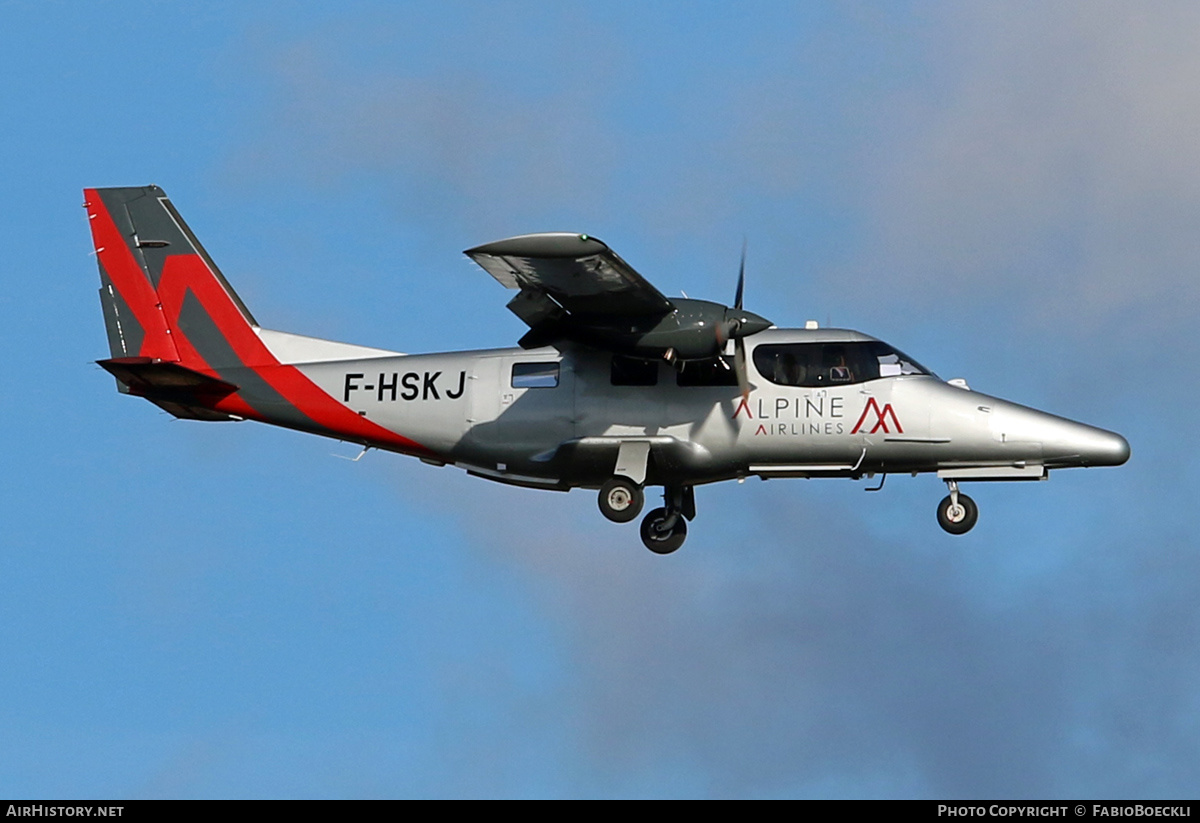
x=737, y=299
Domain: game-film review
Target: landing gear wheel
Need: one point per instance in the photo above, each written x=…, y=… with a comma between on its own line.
x=957, y=519
x=660, y=540
x=621, y=500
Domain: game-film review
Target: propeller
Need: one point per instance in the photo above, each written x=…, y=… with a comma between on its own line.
x=741, y=287
x=738, y=325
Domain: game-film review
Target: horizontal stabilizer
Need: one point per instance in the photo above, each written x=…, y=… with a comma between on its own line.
x=175, y=388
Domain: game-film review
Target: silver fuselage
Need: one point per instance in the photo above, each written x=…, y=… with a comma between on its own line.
x=498, y=414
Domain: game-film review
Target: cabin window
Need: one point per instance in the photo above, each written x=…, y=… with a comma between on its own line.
x=814, y=365
x=535, y=375
x=706, y=373
x=632, y=371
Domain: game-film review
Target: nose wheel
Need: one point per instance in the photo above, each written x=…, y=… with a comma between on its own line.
x=957, y=513
x=621, y=500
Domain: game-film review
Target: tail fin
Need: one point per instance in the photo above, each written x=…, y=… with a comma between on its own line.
x=182, y=338
x=162, y=295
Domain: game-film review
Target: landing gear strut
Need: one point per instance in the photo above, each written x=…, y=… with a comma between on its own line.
x=957, y=513
x=621, y=499
x=665, y=529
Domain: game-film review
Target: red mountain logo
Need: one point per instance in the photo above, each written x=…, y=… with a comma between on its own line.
x=881, y=416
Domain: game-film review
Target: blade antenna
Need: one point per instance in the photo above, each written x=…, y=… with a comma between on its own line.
x=361, y=455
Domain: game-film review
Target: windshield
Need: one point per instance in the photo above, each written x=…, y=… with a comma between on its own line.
x=826, y=364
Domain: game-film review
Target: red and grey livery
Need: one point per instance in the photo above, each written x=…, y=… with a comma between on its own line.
x=182, y=338
x=615, y=387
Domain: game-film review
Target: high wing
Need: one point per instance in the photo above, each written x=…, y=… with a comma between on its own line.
x=577, y=272
x=575, y=288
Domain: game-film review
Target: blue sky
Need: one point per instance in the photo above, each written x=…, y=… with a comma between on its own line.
x=1009, y=192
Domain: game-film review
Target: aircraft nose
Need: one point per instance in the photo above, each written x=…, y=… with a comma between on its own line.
x=1063, y=442
x=1107, y=449
x=1094, y=447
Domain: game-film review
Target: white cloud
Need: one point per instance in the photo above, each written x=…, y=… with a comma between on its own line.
x=1054, y=164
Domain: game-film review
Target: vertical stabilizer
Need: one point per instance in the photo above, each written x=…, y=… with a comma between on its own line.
x=163, y=296
x=182, y=338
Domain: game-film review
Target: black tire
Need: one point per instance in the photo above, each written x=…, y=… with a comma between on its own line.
x=621, y=500
x=663, y=542
x=961, y=521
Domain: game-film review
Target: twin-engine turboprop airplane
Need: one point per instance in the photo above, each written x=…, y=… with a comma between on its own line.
x=615, y=387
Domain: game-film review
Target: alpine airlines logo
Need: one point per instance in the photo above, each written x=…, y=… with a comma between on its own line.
x=815, y=414
x=881, y=416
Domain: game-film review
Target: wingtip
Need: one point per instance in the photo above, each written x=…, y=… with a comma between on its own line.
x=542, y=244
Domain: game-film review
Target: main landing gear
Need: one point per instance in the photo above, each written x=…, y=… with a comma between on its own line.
x=664, y=529
x=662, y=532
x=957, y=513
x=621, y=499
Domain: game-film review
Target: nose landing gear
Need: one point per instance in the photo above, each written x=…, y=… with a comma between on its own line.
x=957, y=513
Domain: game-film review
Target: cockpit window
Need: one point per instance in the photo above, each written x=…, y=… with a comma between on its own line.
x=831, y=364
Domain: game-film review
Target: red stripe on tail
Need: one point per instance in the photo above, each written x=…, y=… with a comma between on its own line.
x=130, y=280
